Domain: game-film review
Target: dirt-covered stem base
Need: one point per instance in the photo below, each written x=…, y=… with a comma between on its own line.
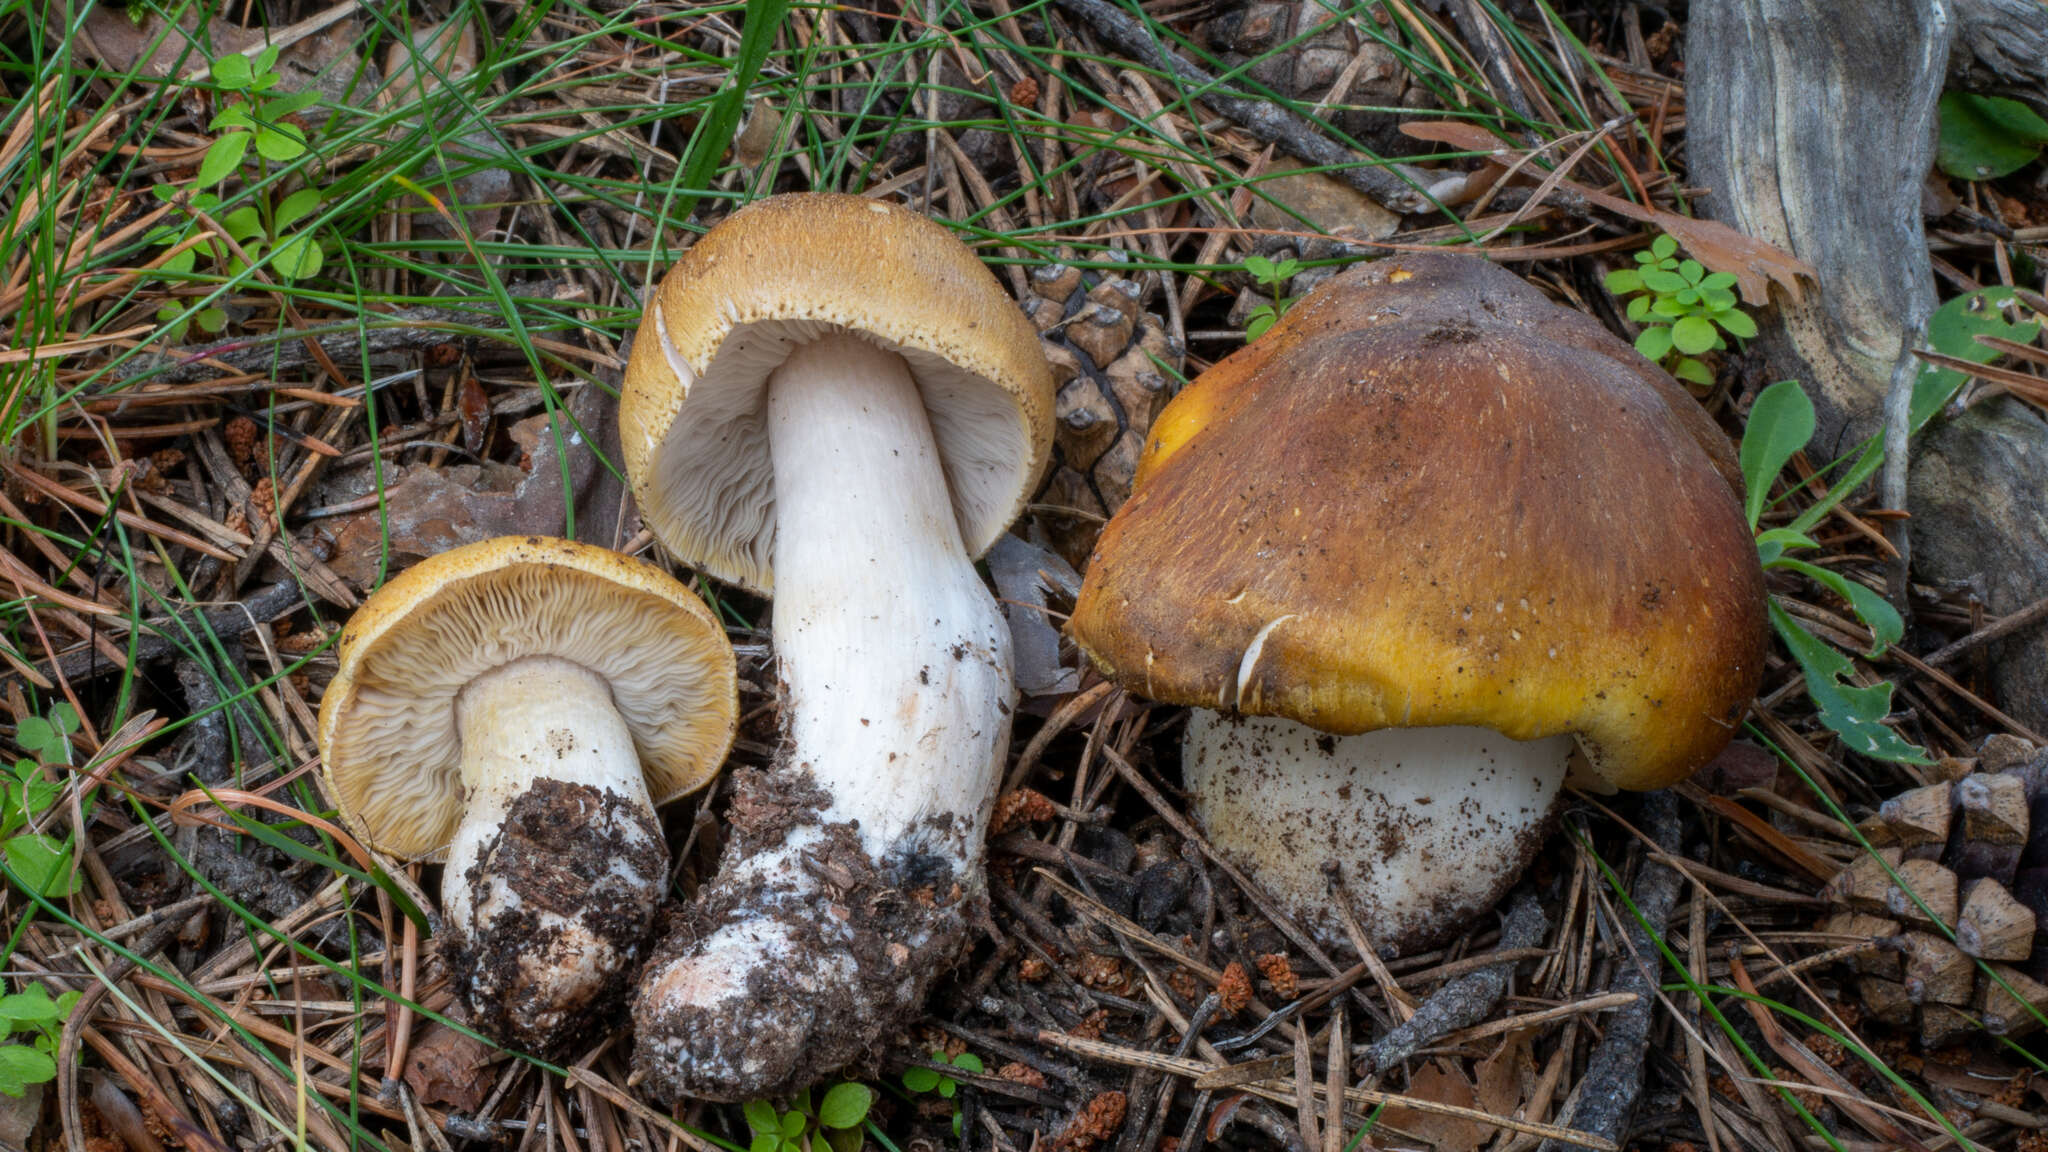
x=846, y=887
x=554, y=876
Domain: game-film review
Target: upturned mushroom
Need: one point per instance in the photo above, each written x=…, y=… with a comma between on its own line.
x=1409, y=552
x=830, y=400
x=521, y=705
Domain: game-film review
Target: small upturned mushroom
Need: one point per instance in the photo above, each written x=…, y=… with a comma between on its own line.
x=522, y=704
x=832, y=401
x=1417, y=547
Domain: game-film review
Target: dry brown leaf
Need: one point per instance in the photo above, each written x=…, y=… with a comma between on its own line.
x=446, y=1067
x=1754, y=264
x=1504, y=1077
x=1441, y=1082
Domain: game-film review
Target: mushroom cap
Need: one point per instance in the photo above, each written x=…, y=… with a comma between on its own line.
x=788, y=269
x=388, y=735
x=1431, y=497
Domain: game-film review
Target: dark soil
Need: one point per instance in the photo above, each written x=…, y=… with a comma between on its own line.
x=565, y=851
x=867, y=940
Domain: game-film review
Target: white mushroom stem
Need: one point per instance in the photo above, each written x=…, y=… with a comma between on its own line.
x=1427, y=827
x=897, y=694
x=542, y=932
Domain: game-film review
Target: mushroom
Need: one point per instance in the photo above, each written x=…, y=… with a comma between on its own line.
x=830, y=400
x=521, y=704
x=1415, y=546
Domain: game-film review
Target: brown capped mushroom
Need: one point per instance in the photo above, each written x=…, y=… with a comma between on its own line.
x=832, y=400
x=1412, y=547
x=522, y=704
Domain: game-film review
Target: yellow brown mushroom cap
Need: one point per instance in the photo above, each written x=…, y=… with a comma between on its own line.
x=388, y=735
x=787, y=269
x=1435, y=499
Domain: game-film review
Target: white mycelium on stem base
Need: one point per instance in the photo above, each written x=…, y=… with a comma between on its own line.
x=833, y=403
x=895, y=667
x=1425, y=827
x=522, y=703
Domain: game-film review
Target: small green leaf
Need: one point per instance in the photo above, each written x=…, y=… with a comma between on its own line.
x=1639, y=308
x=1855, y=714
x=1622, y=281
x=35, y=736
x=1669, y=307
x=1952, y=330
x=294, y=207
x=1780, y=424
x=298, y=257
x=920, y=1079
x=29, y=1006
x=948, y=1086
x=21, y=1066
x=1737, y=324
x=64, y=717
x=1786, y=538
x=766, y=1142
x=233, y=118
x=1259, y=267
x=1691, y=271
x=1653, y=342
x=280, y=142
x=845, y=1139
x=222, y=158
x=1693, y=372
x=1658, y=280
x=793, y=1124
x=846, y=1105
x=242, y=224
x=968, y=1061
x=1693, y=335
x=232, y=71
x=761, y=1116
x=1985, y=137
x=1285, y=270
x=1663, y=246
x=265, y=61
x=42, y=864
x=1260, y=322
x=1874, y=610
x=280, y=107
x=211, y=320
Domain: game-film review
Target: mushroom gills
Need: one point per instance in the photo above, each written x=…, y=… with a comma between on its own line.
x=824, y=929
x=555, y=873
x=1426, y=827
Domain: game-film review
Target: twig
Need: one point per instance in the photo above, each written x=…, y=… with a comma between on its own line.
x=1267, y=122
x=266, y=605
x=1464, y=1001
x=2005, y=626
x=1282, y=1092
x=1614, y=1075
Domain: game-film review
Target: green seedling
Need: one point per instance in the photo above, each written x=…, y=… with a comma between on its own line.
x=40, y=862
x=270, y=226
x=248, y=118
x=1272, y=276
x=917, y=1081
x=1780, y=423
x=32, y=1014
x=836, y=1121
x=1685, y=311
